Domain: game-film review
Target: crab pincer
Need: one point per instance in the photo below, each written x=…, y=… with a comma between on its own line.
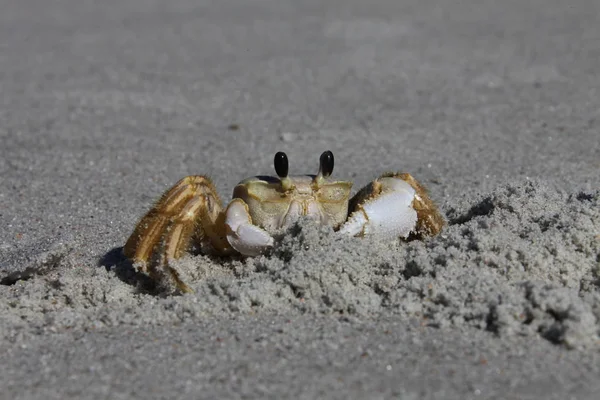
x=245, y=237
x=393, y=206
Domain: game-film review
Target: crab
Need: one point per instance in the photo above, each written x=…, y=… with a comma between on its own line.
x=393, y=206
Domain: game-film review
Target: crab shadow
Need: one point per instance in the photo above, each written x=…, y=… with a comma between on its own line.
x=115, y=261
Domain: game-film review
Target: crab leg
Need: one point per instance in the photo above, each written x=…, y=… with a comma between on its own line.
x=392, y=206
x=189, y=210
x=242, y=235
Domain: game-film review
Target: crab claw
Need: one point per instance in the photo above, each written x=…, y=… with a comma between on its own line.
x=242, y=235
x=383, y=209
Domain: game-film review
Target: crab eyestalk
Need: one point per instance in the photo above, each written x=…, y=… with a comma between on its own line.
x=325, y=168
x=281, y=168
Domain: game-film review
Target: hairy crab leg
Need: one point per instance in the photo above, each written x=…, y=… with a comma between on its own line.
x=242, y=235
x=393, y=206
x=190, y=210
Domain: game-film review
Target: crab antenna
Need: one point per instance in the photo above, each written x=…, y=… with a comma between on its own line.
x=281, y=168
x=325, y=167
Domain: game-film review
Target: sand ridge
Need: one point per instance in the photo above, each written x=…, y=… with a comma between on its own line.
x=521, y=260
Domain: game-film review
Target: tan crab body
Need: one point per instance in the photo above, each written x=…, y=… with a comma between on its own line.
x=391, y=207
x=272, y=207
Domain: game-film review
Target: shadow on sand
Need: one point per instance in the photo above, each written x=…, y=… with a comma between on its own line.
x=115, y=261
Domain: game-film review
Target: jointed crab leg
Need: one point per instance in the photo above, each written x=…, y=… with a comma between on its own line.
x=245, y=237
x=392, y=206
x=189, y=210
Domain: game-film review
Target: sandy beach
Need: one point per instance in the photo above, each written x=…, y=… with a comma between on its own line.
x=493, y=106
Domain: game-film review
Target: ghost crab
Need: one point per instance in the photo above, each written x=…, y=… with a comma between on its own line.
x=393, y=206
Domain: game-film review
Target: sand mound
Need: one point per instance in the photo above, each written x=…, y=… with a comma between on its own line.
x=521, y=260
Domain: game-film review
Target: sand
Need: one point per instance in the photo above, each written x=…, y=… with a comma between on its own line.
x=493, y=106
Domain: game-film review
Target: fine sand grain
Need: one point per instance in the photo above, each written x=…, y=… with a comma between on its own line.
x=522, y=260
x=491, y=105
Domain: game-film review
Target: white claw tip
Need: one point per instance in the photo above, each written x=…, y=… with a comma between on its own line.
x=388, y=215
x=242, y=235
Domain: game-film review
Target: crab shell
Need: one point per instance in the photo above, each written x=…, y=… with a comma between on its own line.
x=273, y=205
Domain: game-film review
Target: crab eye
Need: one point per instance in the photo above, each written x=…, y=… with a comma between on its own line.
x=281, y=164
x=326, y=162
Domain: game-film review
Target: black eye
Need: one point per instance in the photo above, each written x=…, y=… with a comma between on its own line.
x=281, y=164
x=326, y=161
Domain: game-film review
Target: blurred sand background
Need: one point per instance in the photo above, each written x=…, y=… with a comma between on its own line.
x=494, y=106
